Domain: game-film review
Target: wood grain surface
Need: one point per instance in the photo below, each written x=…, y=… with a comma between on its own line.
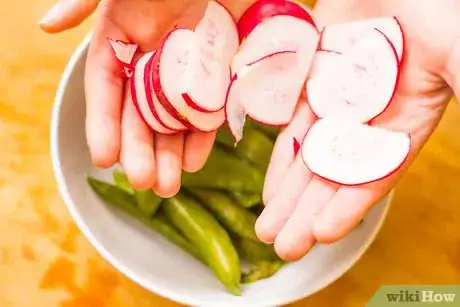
x=45, y=261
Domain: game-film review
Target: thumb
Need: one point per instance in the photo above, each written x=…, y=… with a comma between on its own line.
x=67, y=14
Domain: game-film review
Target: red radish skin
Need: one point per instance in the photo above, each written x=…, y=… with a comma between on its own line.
x=139, y=96
x=363, y=85
x=123, y=51
x=341, y=37
x=275, y=34
x=264, y=91
x=171, y=76
x=296, y=146
x=264, y=9
x=352, y=153
x=155, y=106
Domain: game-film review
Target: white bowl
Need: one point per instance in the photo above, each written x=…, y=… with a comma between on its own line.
x=153, y=262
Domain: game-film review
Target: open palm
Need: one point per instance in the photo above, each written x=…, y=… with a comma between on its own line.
x=115, y=132
x=301, y=208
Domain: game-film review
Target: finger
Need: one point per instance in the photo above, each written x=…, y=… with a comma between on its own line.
x=67, y=14
x=137, y=152
x=197, y=147
x=296, y=238
x=168, y=156
x=283, y=152
x=104, y=93
x=281, y=206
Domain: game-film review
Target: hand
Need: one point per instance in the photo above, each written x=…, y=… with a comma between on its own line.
x=302, y=209
x=115, y=132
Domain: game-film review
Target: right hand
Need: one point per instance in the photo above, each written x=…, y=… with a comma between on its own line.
x=114, y=130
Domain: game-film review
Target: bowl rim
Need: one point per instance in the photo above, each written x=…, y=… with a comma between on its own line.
x=156, y=288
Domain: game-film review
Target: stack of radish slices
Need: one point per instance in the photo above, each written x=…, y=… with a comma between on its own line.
x=353, y=79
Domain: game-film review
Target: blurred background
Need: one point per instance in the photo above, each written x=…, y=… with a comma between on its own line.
x=45, y=261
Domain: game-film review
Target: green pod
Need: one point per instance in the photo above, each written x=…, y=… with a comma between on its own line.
x=255, y=251
x=271, y=131
x=261, y=270
x=120, y=199
x=235, y=218
x=246, y=200
x=255, y=146
x=147, y=200
x=227, y=172
x=211, y=239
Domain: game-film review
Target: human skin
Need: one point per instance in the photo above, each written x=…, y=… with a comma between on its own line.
x=301, y=208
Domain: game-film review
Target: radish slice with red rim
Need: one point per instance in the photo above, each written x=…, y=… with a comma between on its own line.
x=275, y=34
x=324, y=60
x=362, y=86
x=261, y=10
x=341, y=37
x=172, y=71
x=266, y=91
x=139, y=96
x=351, y=153
x=156, y=108
x=124, y=51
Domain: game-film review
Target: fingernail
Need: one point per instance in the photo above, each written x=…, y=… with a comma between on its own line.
x=51, y=14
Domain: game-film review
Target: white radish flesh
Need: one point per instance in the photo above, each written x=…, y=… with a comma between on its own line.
x=362, y=86
x=266, y=91
x=352, y=153
x=124, y=51
x=275, y=34
x=139, y=96
x=341, y=37
x=324, y=60
x=157, y=109
x=171, y=78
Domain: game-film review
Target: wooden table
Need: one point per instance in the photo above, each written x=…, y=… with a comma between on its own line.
x=45, y=261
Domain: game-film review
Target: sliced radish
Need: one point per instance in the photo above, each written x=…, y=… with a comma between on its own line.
x=217, y=33
x=352, y=153
x=324, y=60
x=124, y=51
x=275, y=34
x=157, y=109
x=139, y=96
x=296, y=146
x=341, y=37
x=362, y=86
x=261, y=10
x=173, y=68
x=266, y=91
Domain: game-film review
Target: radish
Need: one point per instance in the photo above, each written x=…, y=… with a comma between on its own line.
x=296, y=146
x=217, y=43
x=275, y=34
x=261, y=10
x=266, y=90
x=351, y=153
x=324, y=60
x=174, y=66
x=341, y=37
x=363, y=84
x=139, y=96
x=156, y=107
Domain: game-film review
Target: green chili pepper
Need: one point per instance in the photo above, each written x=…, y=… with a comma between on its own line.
x=116, y=197
x=147, y=200
x=246, y=200
x=211, y=239
x=235, y=218
x=225, y=171
x=261, y=270
x=255, y=146
x=254, y=251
